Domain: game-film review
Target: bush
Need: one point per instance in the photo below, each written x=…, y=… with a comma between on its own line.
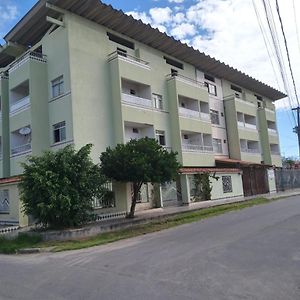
x=57, y=188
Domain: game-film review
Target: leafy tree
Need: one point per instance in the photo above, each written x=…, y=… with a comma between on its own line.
x=57, y=188
x=139, y=161
x=203, y=188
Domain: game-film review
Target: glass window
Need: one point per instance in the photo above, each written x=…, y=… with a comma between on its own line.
x=217, y=145
x=211, y=88
x=214, y=116
x=59, y=132
x=157, y=101
x=160, y=137
x=57, y=86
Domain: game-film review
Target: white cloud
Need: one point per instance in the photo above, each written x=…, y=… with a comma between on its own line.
x=140, y=16
x=183, y=30
x=161, y=15
x=176, y=1
x=229, y=31
x=7, y=13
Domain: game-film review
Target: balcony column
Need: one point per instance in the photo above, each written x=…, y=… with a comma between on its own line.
x=185, y=189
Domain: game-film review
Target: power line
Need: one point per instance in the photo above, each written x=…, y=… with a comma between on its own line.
x=287, y=51
x=278, y=52
x=296, y=25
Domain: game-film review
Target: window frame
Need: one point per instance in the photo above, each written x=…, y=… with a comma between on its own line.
x=160, y=134
x=59, y=127
x=58, y=83
x=216, y=115
x=157, y=101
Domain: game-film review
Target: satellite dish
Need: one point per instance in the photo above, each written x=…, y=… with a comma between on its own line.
x=25, y=130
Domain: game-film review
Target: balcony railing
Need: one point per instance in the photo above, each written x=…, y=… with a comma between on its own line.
x=21, y=149
x=251, y=126
x=20, y=104
x=139, y=101
x=272, y=131
x=196, y=148
x=127, y=57
x=246, y=125
x=248, y=150
x=186, y=79
x=275, y=152
x=31, y=55
x=189, y=113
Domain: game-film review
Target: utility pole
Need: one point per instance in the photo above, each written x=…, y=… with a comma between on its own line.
x=297, y=128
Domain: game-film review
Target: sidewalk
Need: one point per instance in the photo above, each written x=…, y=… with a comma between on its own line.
x=142, y=217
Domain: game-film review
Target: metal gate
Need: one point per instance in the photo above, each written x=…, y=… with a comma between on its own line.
x=255, y=181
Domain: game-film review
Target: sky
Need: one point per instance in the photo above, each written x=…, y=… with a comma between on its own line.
x=225, y=29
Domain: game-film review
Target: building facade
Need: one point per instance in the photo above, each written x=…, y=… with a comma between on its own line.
x=73, y=73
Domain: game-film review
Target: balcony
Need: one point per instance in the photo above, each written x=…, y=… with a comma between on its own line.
x=138, y=101
x=128, y=58
x=272, y=127
x=246, y=121
x=21, y=149
x=196, y=148
x=21, y=141
x=196, y=142
x=19, y=105
x=272, y=131
x=186, y=80
x=248, y=146
x=31, y=55
x=192, y=108
x=274, y=148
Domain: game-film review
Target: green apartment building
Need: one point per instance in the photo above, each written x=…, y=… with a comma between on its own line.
x=78, y=72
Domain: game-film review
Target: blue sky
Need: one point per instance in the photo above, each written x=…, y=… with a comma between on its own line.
x=216, y=27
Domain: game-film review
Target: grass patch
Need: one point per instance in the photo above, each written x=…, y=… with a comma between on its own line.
x=25, y=241
x=10, y=246
x=154, y=226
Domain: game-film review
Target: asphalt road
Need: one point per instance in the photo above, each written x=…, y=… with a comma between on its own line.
x=249, y=254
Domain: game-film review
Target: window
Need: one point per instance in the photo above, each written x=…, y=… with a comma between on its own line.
x=227, y=184
x=236, y=88
x=174, y=72
x=4, y=201
x=57, y=86
x=208, y=77
x=160, y=137
x=185, y=136
x=217, y=145
x=173, y=62
x=157, y=101
x=258, y=97
x=135, y=130
x=211, y=88
x=122, y=52
x=119, y=40
x=132, y=92
x=214, y=116
x=59, y=131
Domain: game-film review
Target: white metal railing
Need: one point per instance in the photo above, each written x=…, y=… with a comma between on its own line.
x=127, y=57
x=272, y=131
x=248, y=150
x=186, y=79
x=246, y=125
x=275, y=152
x=137, y=100
x=251, y=126
x=21, y=149
x=197, y=148
x=26, y=57
x=185, y=112
x=269, y=110
x=205, y=116
x=190, y=113
x=20, y=104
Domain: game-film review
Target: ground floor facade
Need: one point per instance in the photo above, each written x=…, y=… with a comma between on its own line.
x=225, y=183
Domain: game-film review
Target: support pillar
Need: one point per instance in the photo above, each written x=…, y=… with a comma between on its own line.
x=185, y=189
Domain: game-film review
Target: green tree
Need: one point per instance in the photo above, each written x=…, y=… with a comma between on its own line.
x=203, y=187
x=57, y=188
x=139, y=161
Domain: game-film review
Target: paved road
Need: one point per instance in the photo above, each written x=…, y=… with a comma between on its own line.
x=250, y=254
